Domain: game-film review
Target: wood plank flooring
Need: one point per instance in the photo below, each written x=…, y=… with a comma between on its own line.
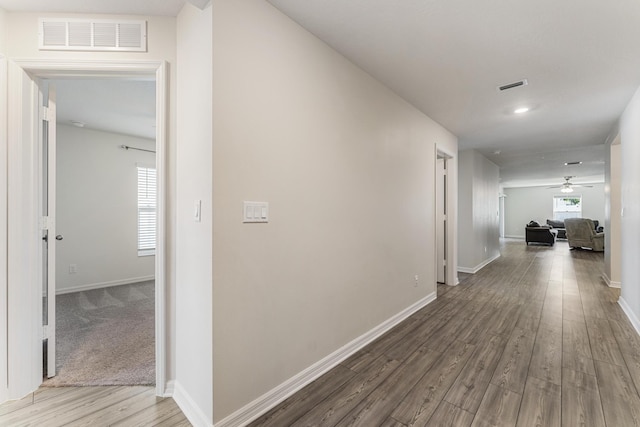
x=534, y=339
x=92, y=406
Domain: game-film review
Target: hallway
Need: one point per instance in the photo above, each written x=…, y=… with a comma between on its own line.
x=535, y=338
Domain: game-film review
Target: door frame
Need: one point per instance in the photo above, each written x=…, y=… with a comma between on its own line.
x=451, y=197
x=4, y=384
x=24, y=345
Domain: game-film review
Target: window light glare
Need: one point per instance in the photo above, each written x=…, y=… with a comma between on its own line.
x=521, y=110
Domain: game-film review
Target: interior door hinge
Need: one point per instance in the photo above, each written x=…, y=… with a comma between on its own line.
x=45, y=332
x=46, y=223
x=46, y=114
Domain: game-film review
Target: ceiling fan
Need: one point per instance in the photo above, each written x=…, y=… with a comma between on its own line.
x=567, y=186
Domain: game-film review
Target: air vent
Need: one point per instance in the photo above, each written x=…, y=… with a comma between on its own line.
x=95, y=34
x=513, y=85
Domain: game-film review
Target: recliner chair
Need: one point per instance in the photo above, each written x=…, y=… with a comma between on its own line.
x=581, y=233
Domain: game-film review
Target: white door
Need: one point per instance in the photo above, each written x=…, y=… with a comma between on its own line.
x=441, y=220
x=48, y=223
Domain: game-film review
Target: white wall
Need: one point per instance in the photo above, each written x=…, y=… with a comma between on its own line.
x=3, y=31
x=22, y=43
x=478, y=222
x=4, y=391
x=194, y=376
x=630, y=139
x=525, y=204
x=612, y=239
x=347, y=168
x=96, y=209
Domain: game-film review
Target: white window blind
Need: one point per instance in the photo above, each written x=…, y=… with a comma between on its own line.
x=146, y=211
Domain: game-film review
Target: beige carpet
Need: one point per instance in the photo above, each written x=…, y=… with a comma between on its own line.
x=105, y=337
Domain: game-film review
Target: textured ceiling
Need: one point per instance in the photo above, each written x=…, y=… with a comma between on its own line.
x=447, y=57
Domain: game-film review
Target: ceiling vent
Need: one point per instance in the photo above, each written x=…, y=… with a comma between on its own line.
x=93, y=35
x=523, y=82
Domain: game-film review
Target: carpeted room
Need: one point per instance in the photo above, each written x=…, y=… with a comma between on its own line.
x=105, y=215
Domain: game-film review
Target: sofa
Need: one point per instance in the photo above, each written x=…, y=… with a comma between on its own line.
x=559, y=227
x=539, y=234
x=581, y=233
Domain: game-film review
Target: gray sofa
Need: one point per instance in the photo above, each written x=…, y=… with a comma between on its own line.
x=559, y=227
x=581, y=233
x=539, y=234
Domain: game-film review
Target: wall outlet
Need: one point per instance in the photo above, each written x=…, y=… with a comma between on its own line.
x=73, y=268
x=415, y=285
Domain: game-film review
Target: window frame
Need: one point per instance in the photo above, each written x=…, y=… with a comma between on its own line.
x=566, y=212
x=147, y=203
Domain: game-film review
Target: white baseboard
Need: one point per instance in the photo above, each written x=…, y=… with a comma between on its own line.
x=169, y=390
x=90, y=286
x=610, y=283
x=630, y=314
x=478, y=267
x=190, y=409
x=514, y=237
x=264, y=403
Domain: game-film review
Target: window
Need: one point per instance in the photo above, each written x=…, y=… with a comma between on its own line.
x=567, y=207
x=146, y=211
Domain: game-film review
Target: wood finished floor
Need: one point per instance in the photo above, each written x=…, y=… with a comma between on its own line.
x=92, y=406
x=534, y=339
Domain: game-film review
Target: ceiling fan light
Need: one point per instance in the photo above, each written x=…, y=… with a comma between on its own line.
x=566, y=190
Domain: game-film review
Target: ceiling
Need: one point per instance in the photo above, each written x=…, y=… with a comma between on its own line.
x=122, y=106
x=116, y=7
x=581, y=59
x=447, y=57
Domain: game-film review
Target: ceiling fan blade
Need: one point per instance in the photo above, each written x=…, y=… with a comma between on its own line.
x=556, y=186
x=585, y=186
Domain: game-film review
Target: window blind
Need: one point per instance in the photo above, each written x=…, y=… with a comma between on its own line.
x=146, y=211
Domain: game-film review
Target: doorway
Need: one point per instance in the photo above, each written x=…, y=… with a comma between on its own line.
x=441, y=219
x=104, y=214
x=25, y=311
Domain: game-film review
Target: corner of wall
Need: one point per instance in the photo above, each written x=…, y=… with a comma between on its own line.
x=189, y=407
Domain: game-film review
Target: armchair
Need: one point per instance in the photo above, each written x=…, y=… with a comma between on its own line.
x=581, y=233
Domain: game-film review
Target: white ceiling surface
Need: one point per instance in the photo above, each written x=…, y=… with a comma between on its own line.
x=447, y=57
x=112, y=105
x=116, y=7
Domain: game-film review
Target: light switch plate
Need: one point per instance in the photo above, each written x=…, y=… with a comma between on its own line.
x=255, y=212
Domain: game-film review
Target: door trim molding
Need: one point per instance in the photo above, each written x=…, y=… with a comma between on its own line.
x=52, y=68
x=4, y=388
x=451, y=245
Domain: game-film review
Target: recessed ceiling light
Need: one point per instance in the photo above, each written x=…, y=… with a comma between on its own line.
x=521, y=110
x=77, y=123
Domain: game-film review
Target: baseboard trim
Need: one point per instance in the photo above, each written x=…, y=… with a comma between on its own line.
x=190, y=409
x=514, y=237
x=100, y=285
x=630, y=314
x=479, y=267
x=267, y=401
x=610, y=283
x=169, y=389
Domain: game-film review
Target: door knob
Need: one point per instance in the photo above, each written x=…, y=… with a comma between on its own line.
x=59, y=237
